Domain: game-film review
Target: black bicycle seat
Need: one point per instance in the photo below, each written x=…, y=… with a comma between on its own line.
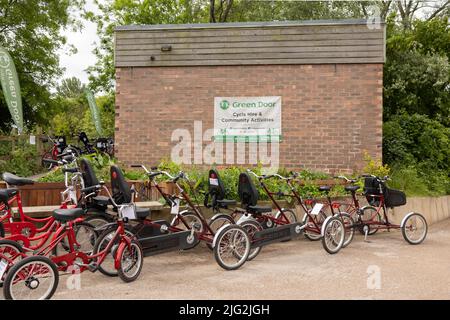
x=66, y=215
x=351, y=188
x=324, y=188
x=14, y=180
x=142, y=213
x=259, y=209
x=226, y=202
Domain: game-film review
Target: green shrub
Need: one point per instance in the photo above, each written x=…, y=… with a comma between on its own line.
x=22, y=160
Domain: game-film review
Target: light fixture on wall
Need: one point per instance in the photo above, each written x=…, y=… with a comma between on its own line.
x=166, y=48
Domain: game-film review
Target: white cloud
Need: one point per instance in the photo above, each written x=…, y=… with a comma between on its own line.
x=84, y=41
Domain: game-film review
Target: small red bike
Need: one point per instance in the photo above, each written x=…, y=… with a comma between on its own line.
x=36, y=277
x=373, y=217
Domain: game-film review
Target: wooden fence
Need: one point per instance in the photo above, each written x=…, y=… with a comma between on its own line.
x=49, y=193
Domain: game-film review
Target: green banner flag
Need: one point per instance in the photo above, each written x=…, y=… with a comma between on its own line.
x=95, y=111
x=11, y=88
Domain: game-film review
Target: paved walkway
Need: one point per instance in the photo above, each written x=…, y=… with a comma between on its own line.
x=298, y=269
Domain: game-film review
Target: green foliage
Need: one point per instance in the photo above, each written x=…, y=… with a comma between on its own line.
x=21, y=160
x=417, y=139
x=74, y=114
x=375, y=167
x=31, y=31
x=420, y=181
x=123, y=12
x=417, y=70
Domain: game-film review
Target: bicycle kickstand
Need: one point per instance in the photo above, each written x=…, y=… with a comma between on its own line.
x=366, y=233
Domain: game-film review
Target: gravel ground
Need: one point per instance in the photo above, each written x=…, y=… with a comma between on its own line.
x=384, y=268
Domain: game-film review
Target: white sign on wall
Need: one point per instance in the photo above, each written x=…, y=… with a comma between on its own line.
x=247, y=118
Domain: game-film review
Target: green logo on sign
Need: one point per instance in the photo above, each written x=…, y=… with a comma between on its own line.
x=4, y=60
x=224, y=104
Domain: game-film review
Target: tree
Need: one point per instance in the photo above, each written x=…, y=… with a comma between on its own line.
x=417, y=70
x=71, y=88
x=122, y=12
x=73, y=114
x=31, y=31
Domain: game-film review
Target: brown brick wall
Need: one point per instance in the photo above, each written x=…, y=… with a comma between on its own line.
x=331, y=114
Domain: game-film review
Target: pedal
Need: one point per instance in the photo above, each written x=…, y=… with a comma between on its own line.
x=196, y=226
x=91, y=266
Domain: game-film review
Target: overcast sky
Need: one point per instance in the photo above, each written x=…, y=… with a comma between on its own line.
x=76, y=64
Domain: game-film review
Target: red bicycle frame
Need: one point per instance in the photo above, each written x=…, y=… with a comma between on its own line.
x=26, y=223
x=206, y=235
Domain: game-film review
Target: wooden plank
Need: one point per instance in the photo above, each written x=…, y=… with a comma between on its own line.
x=250, y=39
x=153, y=205
x=248, y=62
x=226, y=32
x=196, y=51
x=260, y=44
x=250, y=56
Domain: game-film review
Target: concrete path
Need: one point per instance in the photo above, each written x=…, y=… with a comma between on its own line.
x=385, y=268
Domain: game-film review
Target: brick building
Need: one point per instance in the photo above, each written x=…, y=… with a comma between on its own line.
x=328, y=74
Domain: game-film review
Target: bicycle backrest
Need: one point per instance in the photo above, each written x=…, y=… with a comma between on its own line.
x=121, y=191
x=248, y=194
x=89, y=177
x=372, y=186
x=215, y=185
x=83, y=138
x=372, y=190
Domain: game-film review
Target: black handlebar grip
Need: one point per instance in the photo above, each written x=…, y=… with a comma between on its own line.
x=90, y=189
x=70, y=170
x=154, y=174
x=136, y=166
x=51, y=161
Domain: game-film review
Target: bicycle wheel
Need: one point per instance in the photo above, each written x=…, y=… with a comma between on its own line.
x=85, y=235
x=217, y=222
x=333, y=236
x=46, y=165
x=318, y=220
x=97, y=220
x=289, y=214
x=10, y=253
x=232, y=247
x=33, y=278
x=349, y=228
x=107, y=267
x=130, y=258
x=415, y=229
x=144, y=192
x=370, y=214
x=190, y=221
x=252, y=226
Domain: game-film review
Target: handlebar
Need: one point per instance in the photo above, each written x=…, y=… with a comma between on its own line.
x=52, y=161
x=384, y=179
x=91, y=189
x=275, y=175
x=155, y=173
x=70, y=170
x=346, y=179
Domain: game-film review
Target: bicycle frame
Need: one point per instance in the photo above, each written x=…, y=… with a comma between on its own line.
x=316, y=226
x=16, y=228
x=371, y=222
x=207, y=235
